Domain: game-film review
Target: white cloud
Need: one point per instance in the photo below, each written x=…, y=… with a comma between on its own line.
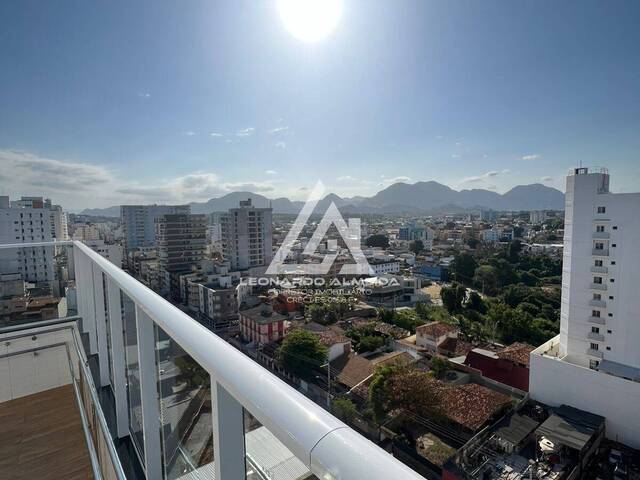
x=506, y=171
x=390, y=181
x=480, y=178
x=216, y=134
x=532, y=156
x=249, y=187
x=282, y=129
x=246, y=132
x=144, y=95
x=547, y=179
x=281, y=145
x=345, y=178
x=189, y=133
x=271, y=172
x=455, y=155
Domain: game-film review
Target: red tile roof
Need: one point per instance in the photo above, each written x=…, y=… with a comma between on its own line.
x=436, y=329
x=472, y=405
x=455, y=347
x=517, y=353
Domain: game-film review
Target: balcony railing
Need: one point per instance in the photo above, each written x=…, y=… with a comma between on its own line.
x=601, y=235
x=594, y=353
x=598, y=303
x=111, y=302
x=595, y=336
x=598, y=320
x=600, y=252
x=598, y=286
x=595, y=269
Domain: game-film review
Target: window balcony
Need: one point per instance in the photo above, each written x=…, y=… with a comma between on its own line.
x=598, y=337
x=598, y=303
x=601, y=235
x=600, y=252
x=595, y=269
x=599, y=286
x=187, y=403
x=597, y=320
x=594, y=353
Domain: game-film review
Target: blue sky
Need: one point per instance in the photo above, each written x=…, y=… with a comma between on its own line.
x=123, y=101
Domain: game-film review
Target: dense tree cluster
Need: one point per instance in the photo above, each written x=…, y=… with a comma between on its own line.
x=301, y=353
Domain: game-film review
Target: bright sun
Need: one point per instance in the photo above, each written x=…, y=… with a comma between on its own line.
x=310, y=20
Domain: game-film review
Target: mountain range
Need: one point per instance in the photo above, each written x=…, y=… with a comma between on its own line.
x=421, y=197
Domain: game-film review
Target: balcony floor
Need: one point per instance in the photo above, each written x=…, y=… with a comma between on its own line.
x=41, y=437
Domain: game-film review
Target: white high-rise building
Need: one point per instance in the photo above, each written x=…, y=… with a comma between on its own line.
x=247, y=236
x=29, y=220
x=594, y=363
x=139, y=222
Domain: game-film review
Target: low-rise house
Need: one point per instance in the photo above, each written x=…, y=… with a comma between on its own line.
x=509, y=365
x=431, y=335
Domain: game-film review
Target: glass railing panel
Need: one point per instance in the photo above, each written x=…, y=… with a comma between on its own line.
x=184, y=392
x=266, y=457
x=132, y=368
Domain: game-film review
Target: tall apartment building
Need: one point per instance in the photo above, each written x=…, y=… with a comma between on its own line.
x=138, y=222
x=181, y=244
x=247, y=236
x=29, y=220
x=594, y=363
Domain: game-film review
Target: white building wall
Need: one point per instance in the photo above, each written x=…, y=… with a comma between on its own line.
x=555, y=382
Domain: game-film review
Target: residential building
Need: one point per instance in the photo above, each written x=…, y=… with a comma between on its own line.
x=181, y=244
x=594, y=363
x=488, y=216
x=138, y=222
x=261, y=325
x=431, y=335
x=112, y=252
x=509, y=365
x=30, y=220
x=247, y=236
x=536, y=217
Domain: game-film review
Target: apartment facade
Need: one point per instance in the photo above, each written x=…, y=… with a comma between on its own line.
x=247, y=236
x=138, y=222
x=594, y=363
x=30, y=220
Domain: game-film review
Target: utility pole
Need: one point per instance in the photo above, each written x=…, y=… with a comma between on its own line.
x=328, y=383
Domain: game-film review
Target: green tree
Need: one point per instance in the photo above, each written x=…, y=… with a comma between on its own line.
x=344, y=409
x=463, y=267
x=378, y=392
x=486, y=279
x=439, y=367
x=369, y=343
x=475, y=302
x=453, y=296
x=377, y=240
x=301, y=353
x=416, y=246
x=473, y=243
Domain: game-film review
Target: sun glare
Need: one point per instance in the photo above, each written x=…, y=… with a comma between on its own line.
x=310, y=20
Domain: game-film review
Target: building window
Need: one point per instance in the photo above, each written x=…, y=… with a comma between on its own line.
x=594, y=346
x=608, y=348
x=595, y=313
x=595, y=330
x=597, y=296
x=598, y=263
x=602, y=210
x=612, y=280
x=609, y=331
x=593, y=364
x=613, y=245
x=610, y=314
x=613, y=262
x=599, y=228
x=610, y=297
x=615, y=227
x=597, y=280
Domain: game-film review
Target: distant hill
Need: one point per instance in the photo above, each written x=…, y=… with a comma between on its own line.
x=432, y=197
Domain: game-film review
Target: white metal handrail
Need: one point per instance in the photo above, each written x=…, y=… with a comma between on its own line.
x=329, y=448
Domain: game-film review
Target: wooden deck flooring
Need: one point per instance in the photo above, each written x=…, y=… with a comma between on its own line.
x=41, y=437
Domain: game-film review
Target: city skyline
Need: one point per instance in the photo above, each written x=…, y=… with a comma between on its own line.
x=188, y=104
